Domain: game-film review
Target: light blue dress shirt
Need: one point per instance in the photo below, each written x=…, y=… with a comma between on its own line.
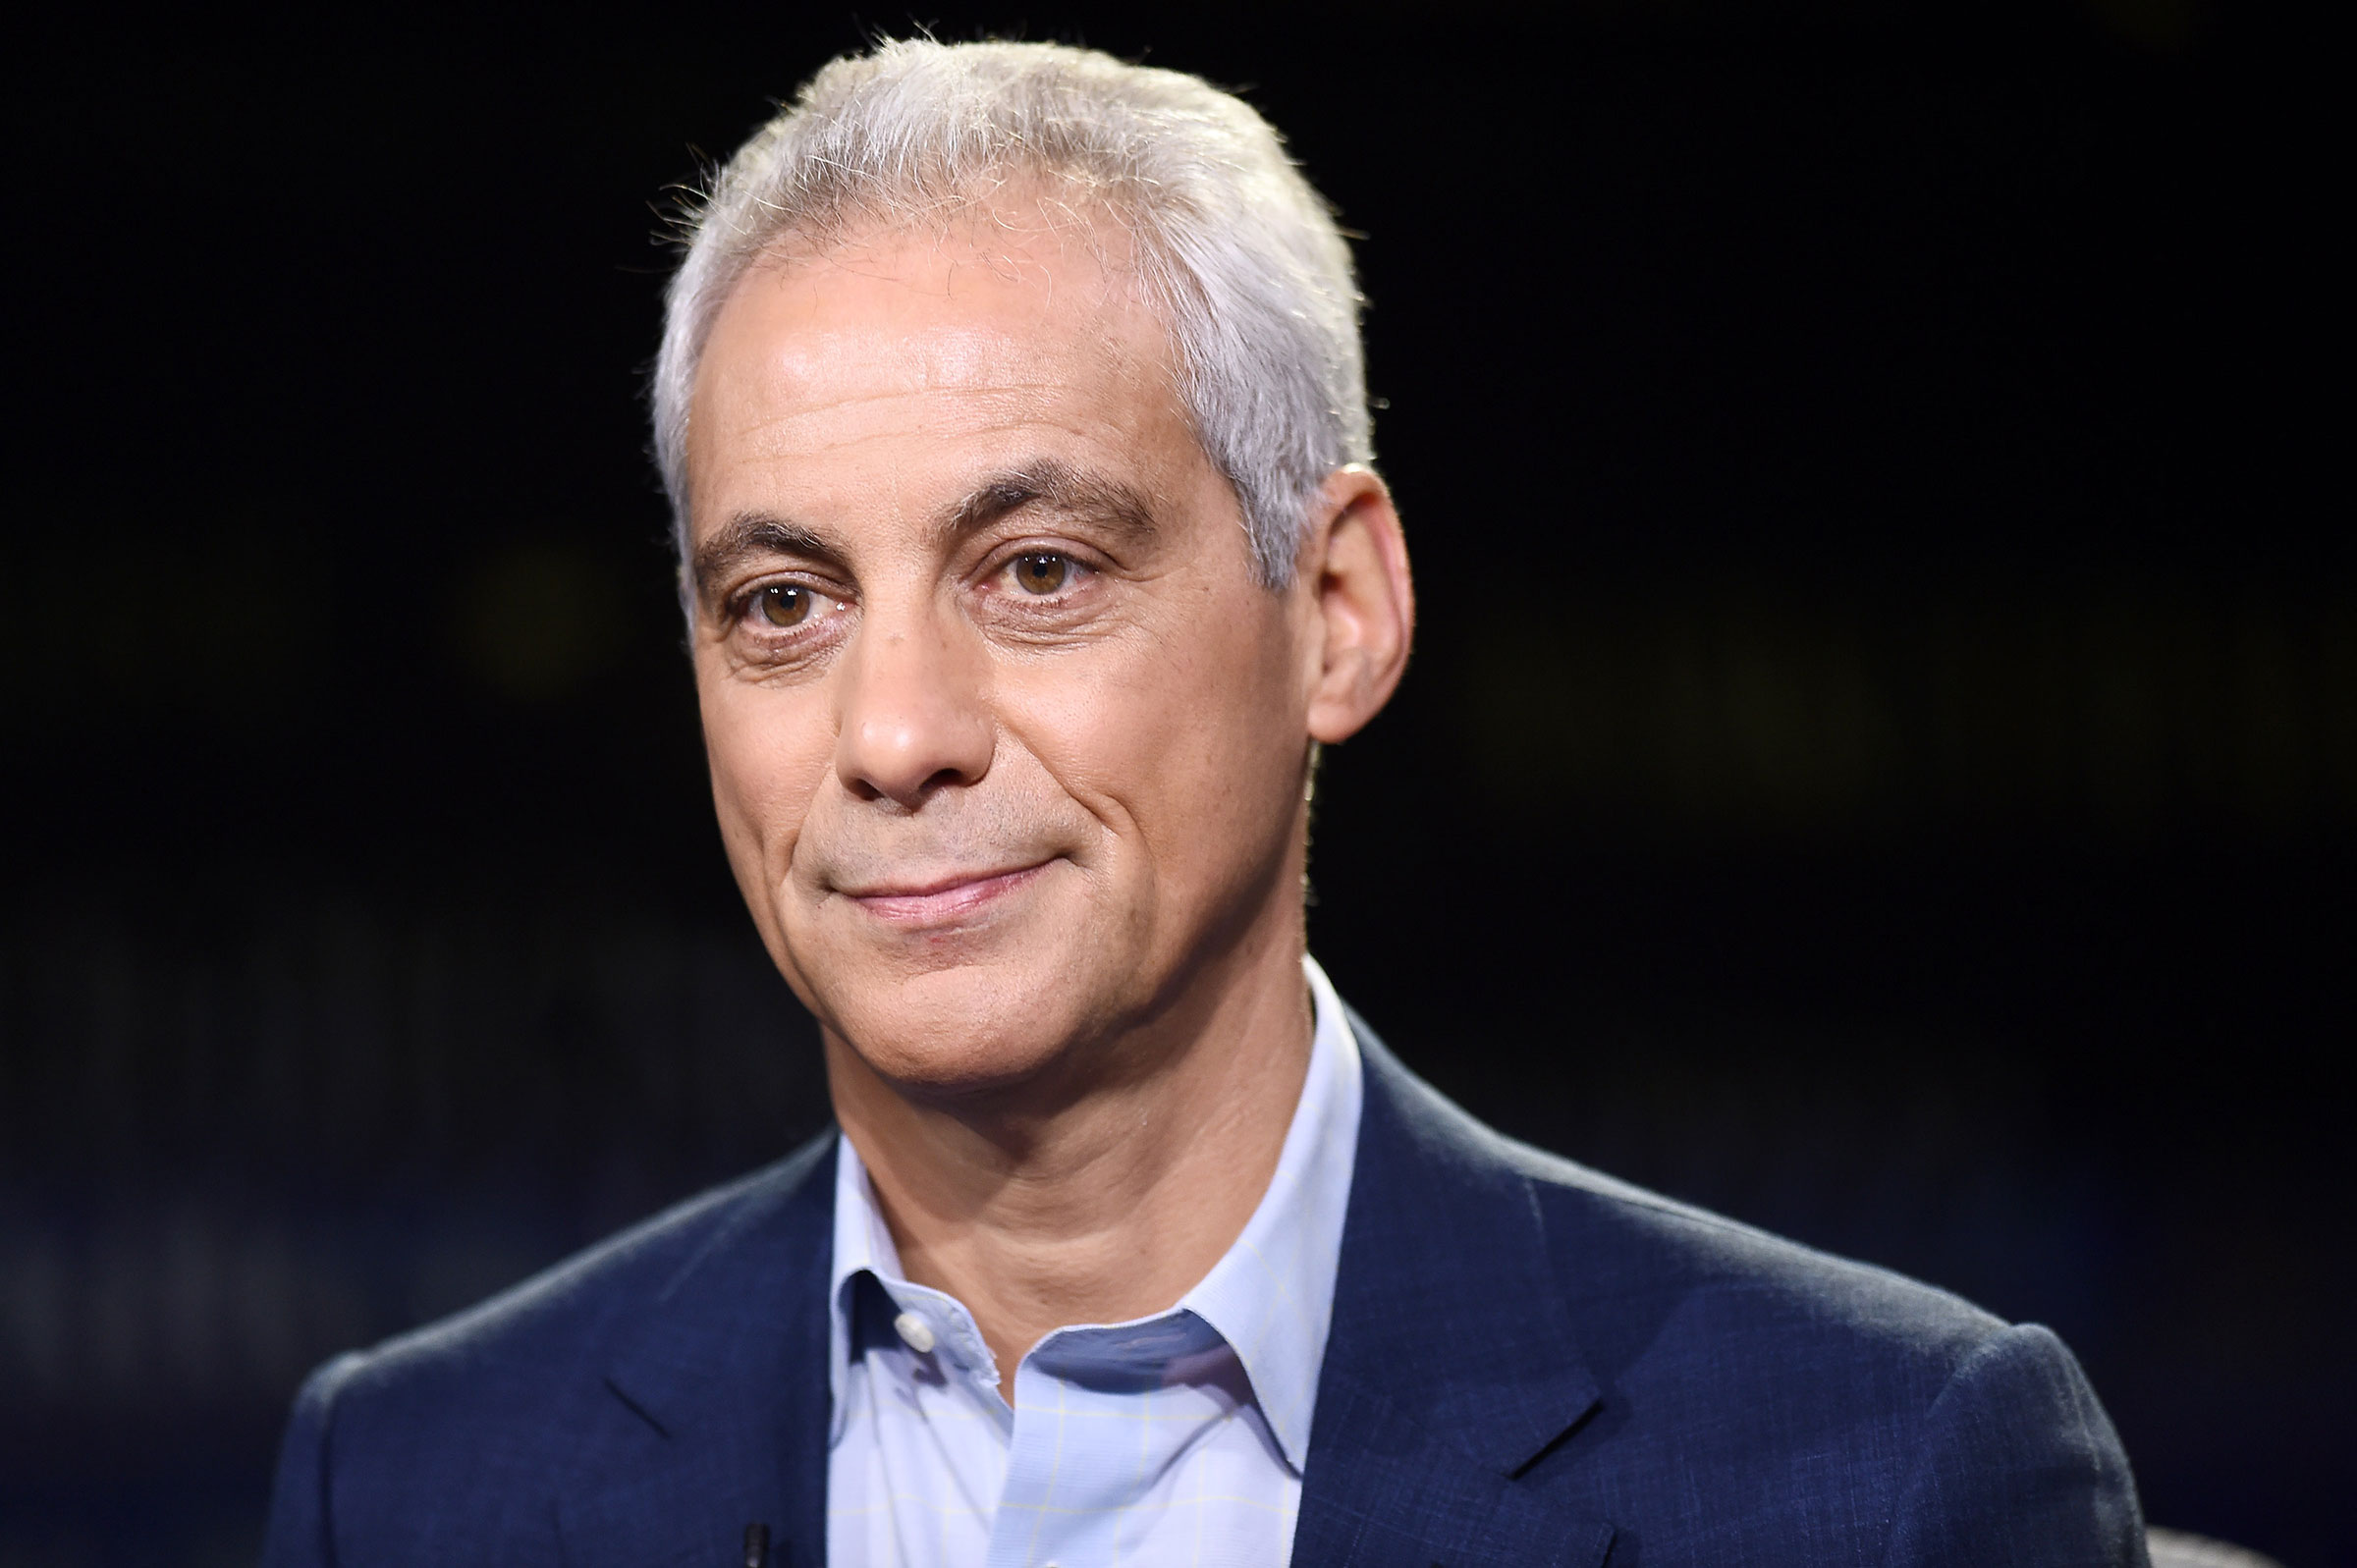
x=1173, y=1440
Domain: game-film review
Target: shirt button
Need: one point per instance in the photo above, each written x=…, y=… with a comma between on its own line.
x=915, y=1331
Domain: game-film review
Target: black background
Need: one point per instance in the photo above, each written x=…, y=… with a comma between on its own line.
x=1881, y=758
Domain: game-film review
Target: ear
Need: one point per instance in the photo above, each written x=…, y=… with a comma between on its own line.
x=1360, y=600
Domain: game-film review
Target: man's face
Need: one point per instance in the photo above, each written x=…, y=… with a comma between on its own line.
x=1007, y=746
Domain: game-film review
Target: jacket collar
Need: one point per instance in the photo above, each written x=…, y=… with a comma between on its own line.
x=1452, y=1365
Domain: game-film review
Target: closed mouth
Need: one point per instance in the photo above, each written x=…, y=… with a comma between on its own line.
x=942, y=899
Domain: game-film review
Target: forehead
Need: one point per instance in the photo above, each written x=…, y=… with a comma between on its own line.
x=902, y=363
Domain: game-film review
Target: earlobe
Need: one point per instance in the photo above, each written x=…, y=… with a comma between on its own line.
x=1364, y=599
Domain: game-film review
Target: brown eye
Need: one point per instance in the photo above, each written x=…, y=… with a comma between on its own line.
x=785, y=606
x=1041, y=574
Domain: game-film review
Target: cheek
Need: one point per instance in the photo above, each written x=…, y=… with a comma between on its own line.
x=770, y=750
x=1188, y=743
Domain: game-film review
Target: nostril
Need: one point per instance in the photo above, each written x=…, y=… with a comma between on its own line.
x=903, y=733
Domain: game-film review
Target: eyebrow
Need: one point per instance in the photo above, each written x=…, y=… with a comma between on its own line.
x=1058, y=487
x=750, y=537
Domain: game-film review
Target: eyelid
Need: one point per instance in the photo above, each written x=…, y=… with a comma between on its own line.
x=786, y=578
x=737, y=610
x=1008, y=554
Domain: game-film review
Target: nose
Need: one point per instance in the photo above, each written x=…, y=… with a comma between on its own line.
x=912, y=716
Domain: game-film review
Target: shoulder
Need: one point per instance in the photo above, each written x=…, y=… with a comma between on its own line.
x=573, y=1312
x=1652, y=1281
x=1719, y=1383
x=1828, y=1391
x=503, y=1385
x=459, y=1441
x=1678, y=1273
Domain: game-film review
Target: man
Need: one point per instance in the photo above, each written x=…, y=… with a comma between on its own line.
x=1012, y=409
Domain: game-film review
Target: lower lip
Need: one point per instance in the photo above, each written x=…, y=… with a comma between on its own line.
x=948, y=904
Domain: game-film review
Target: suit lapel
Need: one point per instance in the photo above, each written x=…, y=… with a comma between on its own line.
x=718, y=1399
x=1451, y=1366
x=1388, y=1494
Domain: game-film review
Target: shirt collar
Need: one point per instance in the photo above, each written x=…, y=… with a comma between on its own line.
x=1270, y=1296
x=863, y=1243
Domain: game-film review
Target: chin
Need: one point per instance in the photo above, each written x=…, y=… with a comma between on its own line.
x=967, y=1030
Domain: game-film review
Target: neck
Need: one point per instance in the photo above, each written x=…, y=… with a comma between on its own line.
x=1109, y=1203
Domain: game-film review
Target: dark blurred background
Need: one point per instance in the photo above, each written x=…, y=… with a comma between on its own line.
x=1881, y=758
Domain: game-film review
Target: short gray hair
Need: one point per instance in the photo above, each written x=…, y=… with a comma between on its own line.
x=1235, y=250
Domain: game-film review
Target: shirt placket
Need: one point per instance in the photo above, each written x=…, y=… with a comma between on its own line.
x=1085, y=1449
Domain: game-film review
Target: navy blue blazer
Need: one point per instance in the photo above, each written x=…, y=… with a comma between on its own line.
x=1529, y=1363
